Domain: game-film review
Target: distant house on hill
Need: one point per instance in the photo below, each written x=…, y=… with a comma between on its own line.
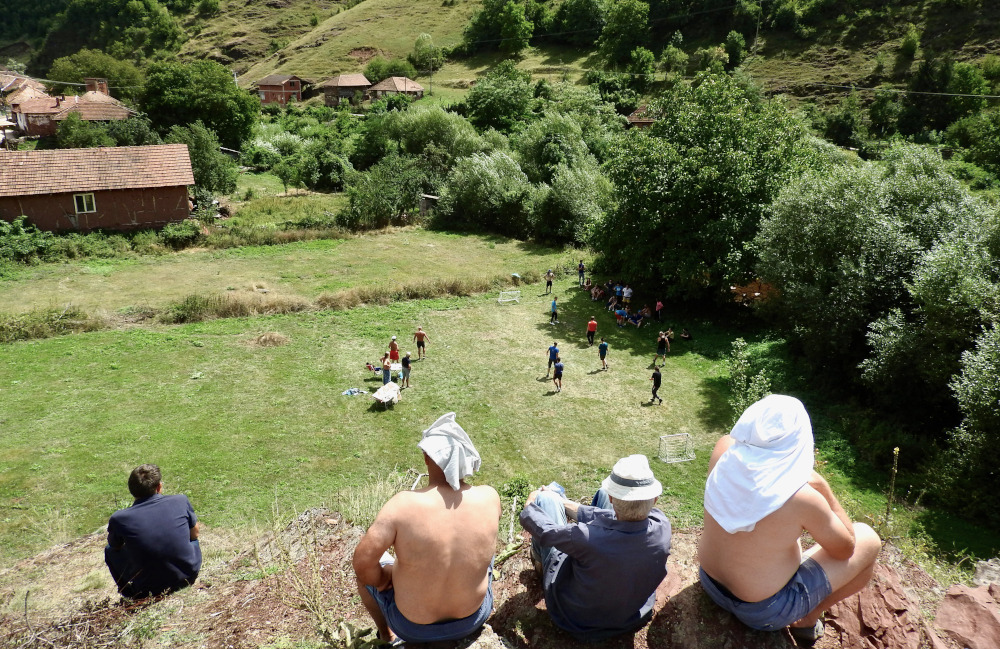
x=119, y=188
x=11, y=83
x=279, y=89
x=345, y=87
x=397, y=86
x=42, y=115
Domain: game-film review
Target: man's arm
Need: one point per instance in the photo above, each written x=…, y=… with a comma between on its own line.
x=826, y=520
x=379, y=538
x=195, y=530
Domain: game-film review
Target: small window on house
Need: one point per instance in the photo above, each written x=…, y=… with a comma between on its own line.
x=84, y=203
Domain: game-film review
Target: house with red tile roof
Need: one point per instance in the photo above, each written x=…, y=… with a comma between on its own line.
x=113, y=188
x=42, y=115
x=345, y=87
x=279, y=89
x=397, y=86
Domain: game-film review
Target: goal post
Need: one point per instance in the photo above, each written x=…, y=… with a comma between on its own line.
x=676, y=448
x=509, y=296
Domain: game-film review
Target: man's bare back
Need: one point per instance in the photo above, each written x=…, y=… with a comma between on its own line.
x=755, y=565
x=444, y=542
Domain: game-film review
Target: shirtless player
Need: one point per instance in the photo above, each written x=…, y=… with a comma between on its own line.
x=422, y=339
x=439, y=586
x=761, y=494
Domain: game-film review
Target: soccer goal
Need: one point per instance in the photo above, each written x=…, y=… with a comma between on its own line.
x=676, y=448
x=509, y=296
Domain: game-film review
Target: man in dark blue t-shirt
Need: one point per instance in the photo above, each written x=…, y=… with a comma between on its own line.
x=553, y=355
x=153, y=545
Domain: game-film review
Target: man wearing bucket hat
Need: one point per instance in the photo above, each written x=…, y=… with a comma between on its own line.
x=438, y=586
x=600, y=573
x=761, y=493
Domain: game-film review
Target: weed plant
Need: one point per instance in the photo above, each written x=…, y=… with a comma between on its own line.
x=45, y=323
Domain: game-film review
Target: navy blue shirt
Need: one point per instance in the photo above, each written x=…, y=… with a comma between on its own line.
x=602, y=573
x=553, y=352
x=155, y=533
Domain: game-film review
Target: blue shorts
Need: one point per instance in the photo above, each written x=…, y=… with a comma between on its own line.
x=438, y=631
x=807, y=588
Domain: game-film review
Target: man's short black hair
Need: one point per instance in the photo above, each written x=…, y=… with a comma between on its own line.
x=144, y=480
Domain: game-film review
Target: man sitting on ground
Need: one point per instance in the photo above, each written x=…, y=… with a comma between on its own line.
x=153, y=545
x=600, y=573
x=761, y=493
x=439, y=585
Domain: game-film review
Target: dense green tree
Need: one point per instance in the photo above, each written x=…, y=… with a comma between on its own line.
x=552, y=141
x=982, y=139
x=213, y=170
x=845, y=124
x=425, y=56
x=177, y=94
x=693, y=188
x=573, y=205
x=75, y=133
x=736, y=48
x=627, y=28
x=124, y=78
x=384, y=194
x=487, y=192
x=379, y=68
x=502, y=98
x=515, y=28
x=883, y=112
x=580, y=21
x=842, y=245
x=122, y=28
x=134, y=131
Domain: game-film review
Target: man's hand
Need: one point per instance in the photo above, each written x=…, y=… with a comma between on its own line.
x=379, y=537
x=195, y=530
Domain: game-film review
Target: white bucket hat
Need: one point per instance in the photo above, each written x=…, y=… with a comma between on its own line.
x=632, y=479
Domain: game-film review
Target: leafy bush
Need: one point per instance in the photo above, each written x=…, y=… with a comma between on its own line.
x=380, y=68
x=736, y=48
x=213, y=170
x=745, y=387
x=180, y=235
x=910, y=43
x=22, y=241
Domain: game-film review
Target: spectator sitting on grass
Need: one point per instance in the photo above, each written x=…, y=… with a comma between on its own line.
x=438, y=587
x=600, y=573
x=153, y=545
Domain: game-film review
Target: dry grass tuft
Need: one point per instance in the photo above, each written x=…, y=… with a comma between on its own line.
x=45, y=323
x=196, y=308
x=425, y=289
x=271, y=339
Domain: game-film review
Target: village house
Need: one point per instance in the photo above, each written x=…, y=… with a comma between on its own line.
x=41, y=116
x=397, y=86
x=279, y=89
x=115, y=188
x=345, y=87
x=640, y=118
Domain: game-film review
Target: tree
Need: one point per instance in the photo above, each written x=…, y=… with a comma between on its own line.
x=75, y=133
x=124, y=78
x=487, y=192
x=213, y=170
x=502, y=98
x=134, y=131
x=843, y=244
x=177, y=94
x=554, y=140
x=515, y=28
x=736, y=48
x=845, y=125
x=574, y=204
x=426, y=57
x=641, y=66
x=379, y=68
x=627, y=28
x=692, y=189
x=384, y=194
x=580, y=21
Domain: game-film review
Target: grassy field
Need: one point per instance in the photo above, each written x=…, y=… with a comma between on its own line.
x=307, y=269
x=243, y=428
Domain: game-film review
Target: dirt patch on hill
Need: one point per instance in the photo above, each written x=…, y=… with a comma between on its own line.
x=363, y=54
x=298, y=582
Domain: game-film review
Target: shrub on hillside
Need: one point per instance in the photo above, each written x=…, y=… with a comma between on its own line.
x=182, y=234
x=22, y=241
x=487, y=192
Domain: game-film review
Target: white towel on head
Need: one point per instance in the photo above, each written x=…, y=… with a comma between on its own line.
x=771, y=459
x=451, y=449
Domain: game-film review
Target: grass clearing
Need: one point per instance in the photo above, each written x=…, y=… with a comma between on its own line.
x=306, y=269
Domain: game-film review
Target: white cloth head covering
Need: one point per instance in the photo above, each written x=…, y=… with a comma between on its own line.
x=451, y=449
x=771, y=459
x=632, y=479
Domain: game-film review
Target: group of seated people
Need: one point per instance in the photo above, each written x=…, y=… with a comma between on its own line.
x=599, y=564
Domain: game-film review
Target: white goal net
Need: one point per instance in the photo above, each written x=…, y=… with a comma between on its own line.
x=676, y=448
x=509, y=296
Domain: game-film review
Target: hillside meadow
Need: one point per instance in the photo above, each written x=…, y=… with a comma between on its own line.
x=247, y=430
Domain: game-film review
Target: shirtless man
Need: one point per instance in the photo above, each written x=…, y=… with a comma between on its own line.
x=422, y=339
x=439, y=585
x=761, y=494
